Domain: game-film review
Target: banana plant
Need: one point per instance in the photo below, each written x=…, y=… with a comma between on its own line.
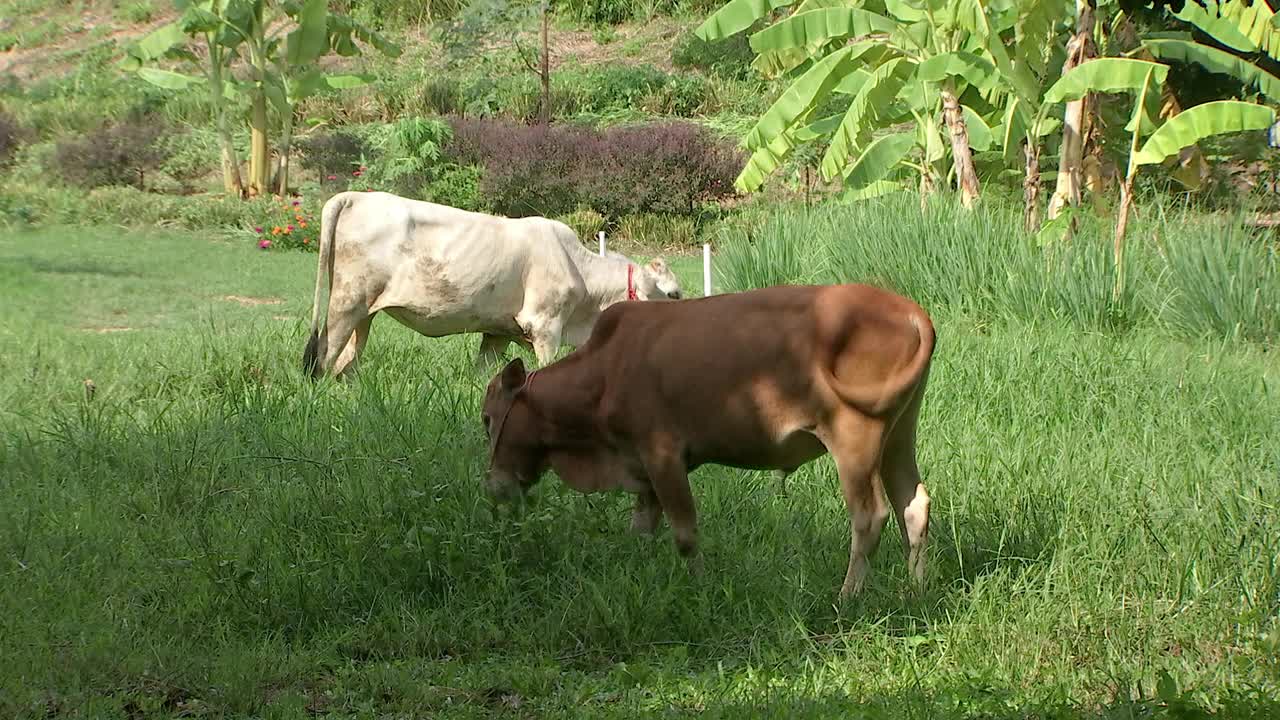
x=1144, y=80
x=897, y=61
x=201, y=25
x=1243, y=26
x=277, y=43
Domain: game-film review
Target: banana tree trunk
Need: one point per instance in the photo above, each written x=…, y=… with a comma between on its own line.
x=258, y=151
x=286, y=143
x=544, y=112
x=961, y=154
x=1079, y=49
x=231, y=181
x=1122, y=223
x=1126, y=203
x=259, y=155
x=1031, y=185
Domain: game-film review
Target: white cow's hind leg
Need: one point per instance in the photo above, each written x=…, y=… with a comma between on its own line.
x=339, y=334
x=346, y=364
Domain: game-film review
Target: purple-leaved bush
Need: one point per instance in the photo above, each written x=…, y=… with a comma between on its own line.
x=666, y=168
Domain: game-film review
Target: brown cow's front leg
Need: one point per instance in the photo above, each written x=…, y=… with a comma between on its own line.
x=671, y=486
x=647, y=514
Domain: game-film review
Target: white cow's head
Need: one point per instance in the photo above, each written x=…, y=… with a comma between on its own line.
x=657, y=282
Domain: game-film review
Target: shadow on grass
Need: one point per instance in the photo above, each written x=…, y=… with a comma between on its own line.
x=71, y=267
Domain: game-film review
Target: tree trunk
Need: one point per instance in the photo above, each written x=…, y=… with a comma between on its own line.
x=259, y=155
x=1079, y=49
x=1031, y=186
x=544, y=112
x=1126, y=203
x=258, y=151
x=961, y=155
x=231, y=182
x=286, y=143
x=1126, y=200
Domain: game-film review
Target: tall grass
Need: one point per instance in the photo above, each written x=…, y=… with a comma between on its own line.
x=1192, y=274
x=210, y=534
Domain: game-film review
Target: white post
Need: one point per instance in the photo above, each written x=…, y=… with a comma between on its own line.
x=706, y=269
x=601, y=243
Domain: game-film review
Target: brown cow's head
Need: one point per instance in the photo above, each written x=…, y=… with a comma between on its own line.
x=516, y=459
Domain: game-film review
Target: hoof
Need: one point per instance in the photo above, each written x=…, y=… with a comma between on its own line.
x=695, y=565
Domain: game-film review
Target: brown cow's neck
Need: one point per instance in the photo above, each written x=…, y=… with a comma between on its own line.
x=563, y=398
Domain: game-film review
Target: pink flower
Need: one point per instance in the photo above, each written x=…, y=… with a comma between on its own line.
x=333, y=177
x=289, y=228
x=264, y=244
x=258, y=229
x=358, y=173
x=296, y=203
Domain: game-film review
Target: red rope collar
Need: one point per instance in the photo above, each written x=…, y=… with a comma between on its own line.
x=631, y=288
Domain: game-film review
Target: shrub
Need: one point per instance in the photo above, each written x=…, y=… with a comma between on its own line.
x=598, y=12
x=442, y=96
x=730, y=57
x=666, y=168
x=333, y=156
x=138, y=12
x=408, y=155
x=457, y=186
x=197, y=152
x=527, y=170
x=658, y=231
x=11, y=136
x=113, y=155
x=587, y=223
x=621, y=86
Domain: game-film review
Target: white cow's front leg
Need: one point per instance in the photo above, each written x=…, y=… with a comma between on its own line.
x=546, y=341
x=491, y=349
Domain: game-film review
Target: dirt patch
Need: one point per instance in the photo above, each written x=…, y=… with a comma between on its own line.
x=252, y=301
x=105, y=330
x=281, y=317
x=58, y=57
x=646, y=44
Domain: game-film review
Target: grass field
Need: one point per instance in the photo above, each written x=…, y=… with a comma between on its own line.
x=211, y=535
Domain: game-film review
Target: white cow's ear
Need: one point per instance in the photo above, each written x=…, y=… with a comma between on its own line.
x=658, y=264
x=513, y=374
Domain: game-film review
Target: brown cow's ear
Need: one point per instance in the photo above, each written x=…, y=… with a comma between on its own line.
x=513, y=374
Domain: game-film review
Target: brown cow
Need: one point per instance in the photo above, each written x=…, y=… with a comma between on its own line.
x=764, y=379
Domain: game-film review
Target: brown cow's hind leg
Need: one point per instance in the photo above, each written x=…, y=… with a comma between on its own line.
x=906, y=493
x=855, y=443
x=780, y=476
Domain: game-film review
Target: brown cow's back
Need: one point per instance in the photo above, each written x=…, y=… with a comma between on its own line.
x=735, y=374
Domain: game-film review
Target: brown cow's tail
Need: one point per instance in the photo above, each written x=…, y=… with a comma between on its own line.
x=879, y=400
x=324, y=280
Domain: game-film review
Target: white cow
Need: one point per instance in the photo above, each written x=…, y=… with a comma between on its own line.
x=444, y=271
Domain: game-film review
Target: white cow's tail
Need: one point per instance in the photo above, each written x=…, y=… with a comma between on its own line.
x=311, y=356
